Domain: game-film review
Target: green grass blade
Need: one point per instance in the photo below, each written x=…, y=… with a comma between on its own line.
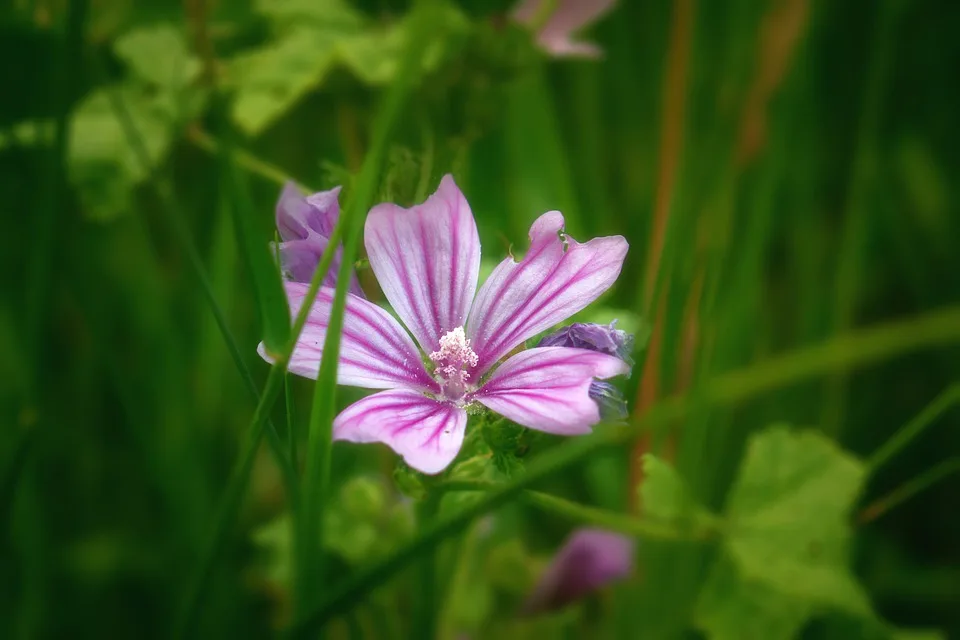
x=319, y=444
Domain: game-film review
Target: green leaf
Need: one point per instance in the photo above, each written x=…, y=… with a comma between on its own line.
x=787, y=518
x=269, y=81
x=329, y=14
x=663, y=493
x=159, y=55
x=372, y=56
x=732, y=608
x=102, y=166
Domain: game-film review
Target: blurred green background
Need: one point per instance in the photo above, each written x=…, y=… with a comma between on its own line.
x=785, y=173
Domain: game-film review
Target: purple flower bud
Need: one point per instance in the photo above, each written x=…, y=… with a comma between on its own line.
x=605, y=339
x=589, y=559
x=595, y=337
x=612, y=404
x=305, y=224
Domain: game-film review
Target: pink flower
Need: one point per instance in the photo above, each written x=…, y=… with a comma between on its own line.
x=555, y=35
x=427, y=260
x=305, y=224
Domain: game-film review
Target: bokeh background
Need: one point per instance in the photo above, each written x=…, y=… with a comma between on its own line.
x=785, y=173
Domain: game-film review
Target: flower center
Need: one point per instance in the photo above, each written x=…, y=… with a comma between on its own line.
x=453, y=362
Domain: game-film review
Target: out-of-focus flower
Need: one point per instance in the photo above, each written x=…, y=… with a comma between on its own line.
x=427, y=260
x=557, y=21
x=589, y=560
x=305, y=224
x=605, y=339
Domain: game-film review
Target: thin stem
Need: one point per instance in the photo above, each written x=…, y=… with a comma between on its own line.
x=182, y=233
x=621, y=523
x=425, y=618
x=309, y=542
x=865, y=347
x=909, y=489
x=241, y=473
x=949, y=397
x=291, y=421
x=203, y=140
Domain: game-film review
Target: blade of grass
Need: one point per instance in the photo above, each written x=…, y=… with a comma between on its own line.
x=845, y=352
x=240, y=475
x=949, y=397
x=909, y=489
x=317, y=464
x=183, y=236
x=856, y=209
x=267, y=283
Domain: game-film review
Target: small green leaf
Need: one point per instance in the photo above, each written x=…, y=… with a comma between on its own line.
x=663, y=493
x=329, y=14
x=732, y=608
x=372, y=56
x=269, y=81
x=102, y=165
x=159, y=55
x=787, y=518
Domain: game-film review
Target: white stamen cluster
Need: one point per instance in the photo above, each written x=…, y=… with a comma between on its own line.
x=453, y=360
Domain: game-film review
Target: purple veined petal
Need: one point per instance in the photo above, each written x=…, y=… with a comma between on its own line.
x=427, y=260
x=298, y=215
x=375, y=351
x=589, y=560
x=557, y=278
x=556, y=36
x=548, y=388
x=305, y=224
x=428, y=433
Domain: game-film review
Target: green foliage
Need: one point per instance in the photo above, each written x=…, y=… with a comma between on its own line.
x=733, y=607
x=748, y=152
x=312, y=39
x=788, y=517
x=663, y=493
x=104, y=167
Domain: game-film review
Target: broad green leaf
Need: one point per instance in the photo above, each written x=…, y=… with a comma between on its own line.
x=159, y=55
x=269, y=81
x=787, y=518
x=733, y=608
x=373, y=56
x=102, y=165
x=663, y=493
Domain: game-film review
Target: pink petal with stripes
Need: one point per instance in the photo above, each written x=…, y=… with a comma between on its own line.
x=427, y=260
x=548, y=388
x=426, y=432
x=557, y=278
x=375, y=351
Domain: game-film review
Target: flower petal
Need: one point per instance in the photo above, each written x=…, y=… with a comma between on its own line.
x=298, y=215
x=589, y=559
x=548, y=388
x=556, y=36
x=557, y=278
x=305, y=225
x=427, y=260
x=426, y=432
x=375, y=351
